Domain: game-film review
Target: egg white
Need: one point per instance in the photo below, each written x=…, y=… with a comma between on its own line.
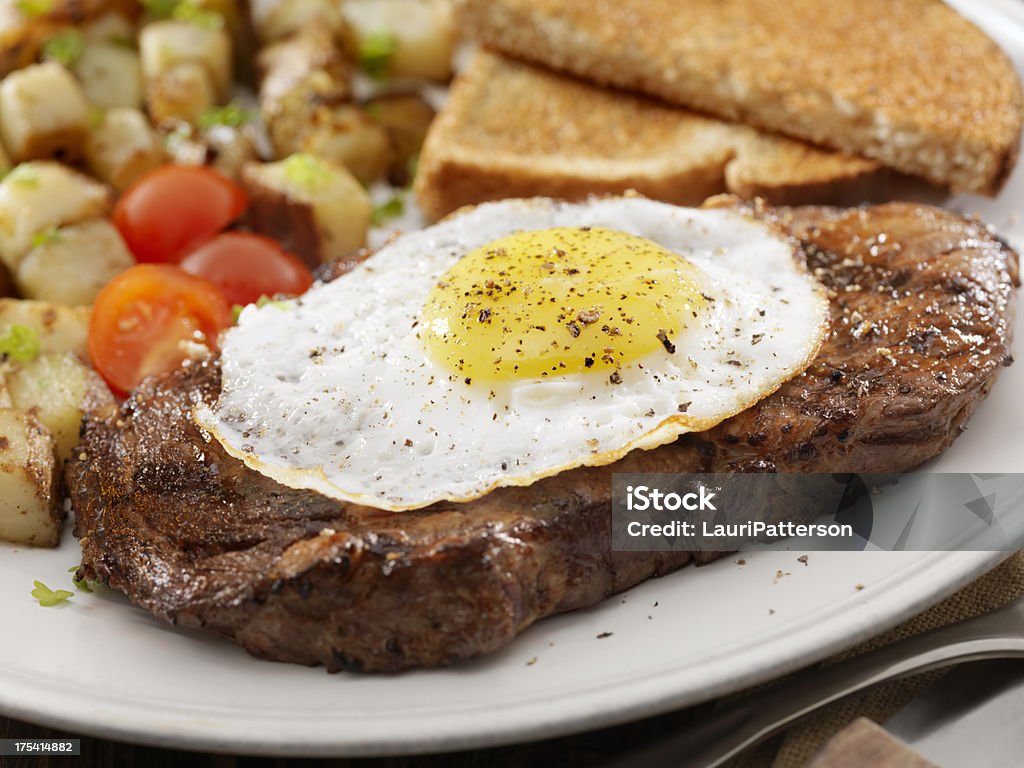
x=335, y=392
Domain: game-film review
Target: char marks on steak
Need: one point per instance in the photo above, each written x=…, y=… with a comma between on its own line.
x=921, y=312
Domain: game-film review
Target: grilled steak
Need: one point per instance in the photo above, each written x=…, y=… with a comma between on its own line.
x=921, y=311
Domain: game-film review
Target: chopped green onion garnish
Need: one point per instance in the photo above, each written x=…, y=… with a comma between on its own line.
x=161, y=9
x=19, y=343
x=201, y=17
x=230, y=115
x=65, y=47
x=23, y=175
x=264, y=301
x=306, y=171
x=386, y=211
x=34, y=7
x=48, y=235
x=47, y=596
x=375, y=52
x=96, y=116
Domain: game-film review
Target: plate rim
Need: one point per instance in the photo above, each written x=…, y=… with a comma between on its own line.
x=877, y=612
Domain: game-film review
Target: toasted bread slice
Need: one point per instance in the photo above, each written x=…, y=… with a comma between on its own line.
x=906, y=82
x=514, y=130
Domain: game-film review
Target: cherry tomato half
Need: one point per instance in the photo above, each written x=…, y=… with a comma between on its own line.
x=141, y=317
x=174, y=208
x=245, y=267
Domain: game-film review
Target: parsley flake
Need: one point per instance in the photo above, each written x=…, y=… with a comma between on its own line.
x=201, y=17
x=96, y=117
x=85, y=585
x=23, y=175
x=391, y=209
x=264, y=301
x=47, y=596
x=305, y=170
x=65, y=47
x=231, y=115
x=19, y=343
x=375, y=53
x=161, y=9
x=48, y=235
x=34, y=7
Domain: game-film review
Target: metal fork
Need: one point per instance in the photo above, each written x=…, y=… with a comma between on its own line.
x=734, y=726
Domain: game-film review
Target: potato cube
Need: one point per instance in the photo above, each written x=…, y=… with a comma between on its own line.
x=43, y=113
x=184, y=92
x=56, y=327
x=110, y=75
x=71, y=265
x=111, y=27
x=166, y=45
x=30, y=513
x=122, y=147
x=298, y=73
x=277, y=19
x=317, y=209
x=57, y=388
x=348, y=136
x=37, y=196
x=406, y=119
x=412, y=38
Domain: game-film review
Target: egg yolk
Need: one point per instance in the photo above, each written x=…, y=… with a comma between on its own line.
x=559, y=301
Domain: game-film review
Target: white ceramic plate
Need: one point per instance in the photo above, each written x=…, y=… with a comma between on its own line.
x=98, y=665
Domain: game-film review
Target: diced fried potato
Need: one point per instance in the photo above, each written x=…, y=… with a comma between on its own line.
x=406, y=118
x=39, y=195
x=74, y=263
x=5, y=395
x=224, y=147
x=348, y=136
x=166, y=45
x=277, y=19
x=77, y=11
x=421, y=31
x=110, y=75
x=5, y=161
x=317, y=209
x=57, y=388
x=112, y=27
x=57, y=327
x=122, y=147
x=297, y=75
x=183, y=92
x=230, y=148
x=239, y=27
x=43, y=113
x=30, y=512
x=22, y=35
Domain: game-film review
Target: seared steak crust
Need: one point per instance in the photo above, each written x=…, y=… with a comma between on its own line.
x=921, y=312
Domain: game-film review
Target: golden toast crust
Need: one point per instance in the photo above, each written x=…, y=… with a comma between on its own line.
x=906, y=82
x=514, y=130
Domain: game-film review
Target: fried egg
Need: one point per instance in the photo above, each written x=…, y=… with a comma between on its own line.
x=512, y=342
